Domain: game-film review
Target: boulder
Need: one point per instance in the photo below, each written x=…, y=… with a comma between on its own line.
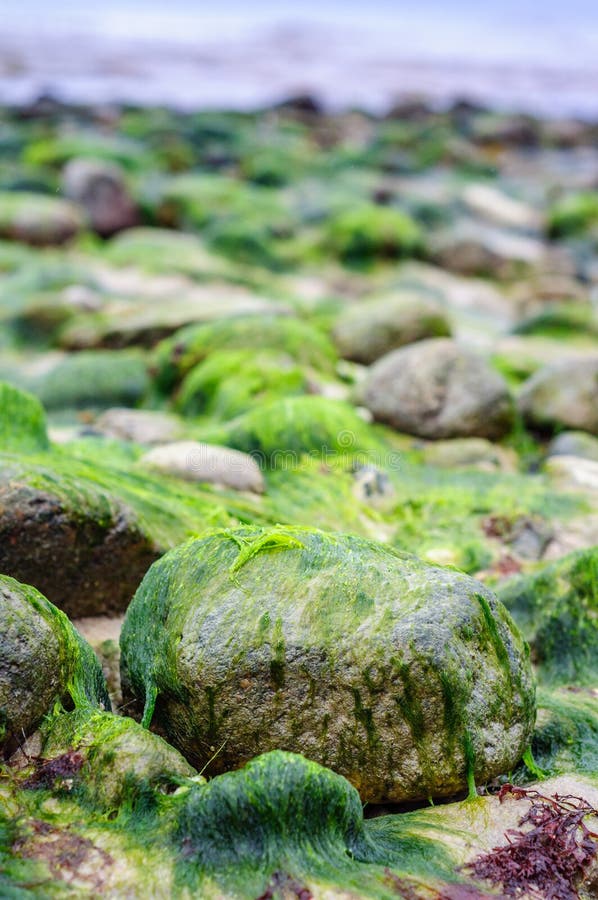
x=370, y=329
x=437, y=389
x=38, y=219
x=279, y=432
x=408, y=679
x=81, y=545
x=43, y=660
x=563, y=394
x=556, y=608
x=195, y=461
x=99, y=187
x=93, y=379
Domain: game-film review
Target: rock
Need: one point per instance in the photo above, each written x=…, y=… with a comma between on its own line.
x=176, y=356
x=195, y=461
x=279, y=432
x=373, y=486
x=556, y=608
x=118, y=759
x=43, y=660
x=22, y=421
x=436, y=389
x=99, y=187
x=231, y=382
x=406, y=678
x=93, y=379
x=142, y=426
x=573, y=472
x=366, y=331
x=487, y=202
x=38, y=219
x=470, y=248
x=368, y=231
x=574, y=443
x=475, y=453
x=563, y=394
x=82, y=546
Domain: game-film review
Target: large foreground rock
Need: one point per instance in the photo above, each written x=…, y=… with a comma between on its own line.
x=437, y=389
x=408, y=679
x=563, y=394
x=42, y=660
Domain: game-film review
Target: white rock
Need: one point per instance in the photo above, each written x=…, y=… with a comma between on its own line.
x=195, y=461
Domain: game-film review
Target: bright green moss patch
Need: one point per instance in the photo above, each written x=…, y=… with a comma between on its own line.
x=229, y=383
x=573, y=216
x=94, y=378
x=369, y=231
x=177, y=355
x=557, y=610
x=280, y=431
x=22, y=422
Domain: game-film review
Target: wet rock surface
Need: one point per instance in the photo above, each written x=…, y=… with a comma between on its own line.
x=433, y=647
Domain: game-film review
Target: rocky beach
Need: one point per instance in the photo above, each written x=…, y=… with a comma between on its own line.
x=298, y=501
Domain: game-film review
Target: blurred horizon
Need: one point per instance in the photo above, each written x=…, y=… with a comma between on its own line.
x=532, y=57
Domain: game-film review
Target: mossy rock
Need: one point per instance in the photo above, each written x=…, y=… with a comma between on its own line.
x=562, y=394
x=176, y=356
x=43, y=661
x=408, y=679
x=574, y=216
x=279, y=432
x=557, y=609
x=367, y=330
x=118, y=759
x=37, y=219
x=369, y=231
x=229, y=383
x=94, y=379
x=22, y=421
x=281, y=827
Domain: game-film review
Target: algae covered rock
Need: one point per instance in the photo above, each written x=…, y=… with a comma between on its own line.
x=93, y=379
x=229, y=383
x=563, y=394
x=278, y=432
x=368, y=330
x=22, y=421
x=408, y=679
x=43, y=660
x=436, y=389
x=177, y=355
x=77, y=541
x=38, y=219
x=556, y=607
x=117, y=757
